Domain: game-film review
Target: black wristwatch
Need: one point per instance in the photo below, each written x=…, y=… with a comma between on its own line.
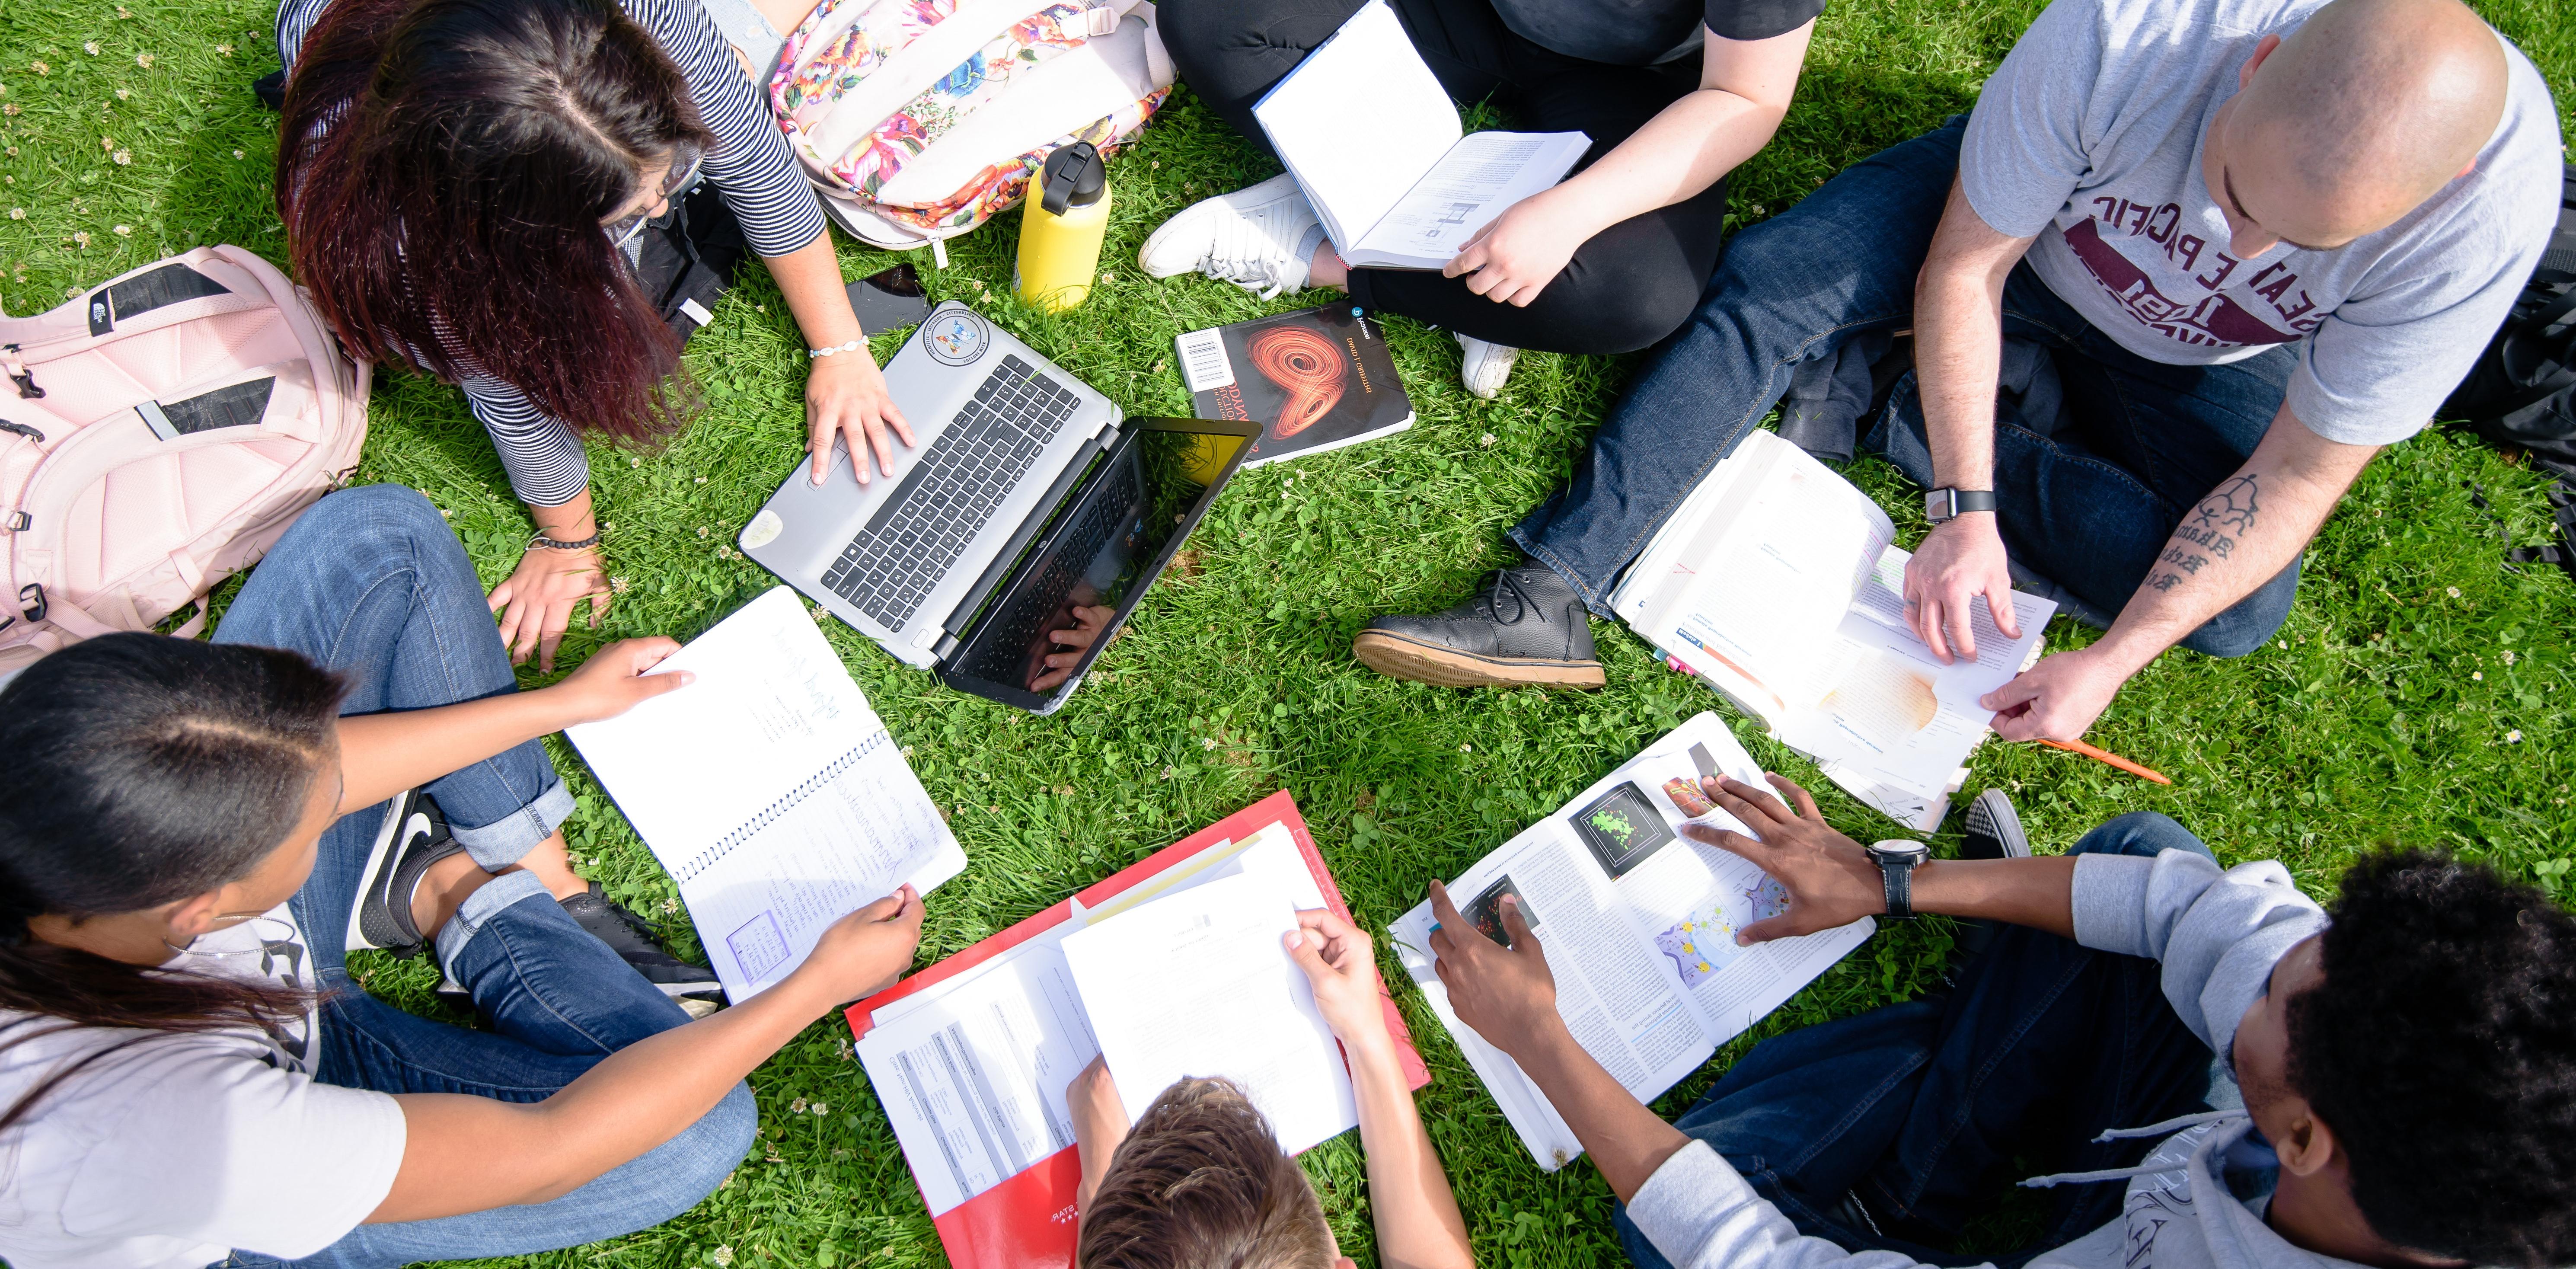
x=1897, y=858
x=1944, y=505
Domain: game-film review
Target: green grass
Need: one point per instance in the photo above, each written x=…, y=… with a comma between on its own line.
x=2418, y=693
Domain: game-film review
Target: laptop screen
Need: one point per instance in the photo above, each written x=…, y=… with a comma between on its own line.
x=1086, y=570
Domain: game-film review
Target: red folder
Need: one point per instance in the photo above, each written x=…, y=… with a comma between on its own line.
x=1027, y=1222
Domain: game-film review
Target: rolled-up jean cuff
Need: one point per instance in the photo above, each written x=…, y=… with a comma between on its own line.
x=507, y=840
x=478, y=910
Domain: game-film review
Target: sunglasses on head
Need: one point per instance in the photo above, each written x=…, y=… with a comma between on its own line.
x=683, y=173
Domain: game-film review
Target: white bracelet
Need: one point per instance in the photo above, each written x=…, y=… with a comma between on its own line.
x=852, y=346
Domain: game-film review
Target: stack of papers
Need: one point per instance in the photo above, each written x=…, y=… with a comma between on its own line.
x=1185, y=974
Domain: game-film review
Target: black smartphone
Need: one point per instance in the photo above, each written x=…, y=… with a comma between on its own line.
x=889, y=300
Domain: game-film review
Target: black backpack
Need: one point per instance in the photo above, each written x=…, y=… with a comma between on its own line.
x=2522, y=391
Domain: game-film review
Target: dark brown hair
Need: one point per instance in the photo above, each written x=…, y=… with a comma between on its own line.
x=442, y=176
x=1200, y=1183
x=143, y=769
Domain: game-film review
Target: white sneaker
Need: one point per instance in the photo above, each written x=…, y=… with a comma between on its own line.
x=1259, y=238
x=1485, y=366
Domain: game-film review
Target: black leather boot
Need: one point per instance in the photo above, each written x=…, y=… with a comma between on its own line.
x=1526, y=626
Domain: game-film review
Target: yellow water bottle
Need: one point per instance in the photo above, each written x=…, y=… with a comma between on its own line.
x=1066, y=217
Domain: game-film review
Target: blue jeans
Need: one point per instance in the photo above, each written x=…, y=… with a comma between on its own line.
x=372, y=584
x=2087, y=500
x=1919, y=1110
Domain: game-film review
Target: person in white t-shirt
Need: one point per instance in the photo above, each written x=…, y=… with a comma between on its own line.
x=2250, y=242
x=193, y=834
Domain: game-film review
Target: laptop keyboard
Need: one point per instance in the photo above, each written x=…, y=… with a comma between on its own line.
x=951, y=491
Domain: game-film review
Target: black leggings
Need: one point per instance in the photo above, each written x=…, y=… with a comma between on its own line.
x=1628, y=286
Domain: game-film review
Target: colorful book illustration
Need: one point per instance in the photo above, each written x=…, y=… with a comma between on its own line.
x=1316, y=380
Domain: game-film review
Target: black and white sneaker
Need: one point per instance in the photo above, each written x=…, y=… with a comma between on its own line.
x=1994, y=829
x=413, y=837
x=634, y=941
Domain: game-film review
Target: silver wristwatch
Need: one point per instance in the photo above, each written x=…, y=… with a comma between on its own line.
x=1897, y=858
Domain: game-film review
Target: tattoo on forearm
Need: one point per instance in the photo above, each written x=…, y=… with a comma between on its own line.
x=2215, y=526
x=2229, y=508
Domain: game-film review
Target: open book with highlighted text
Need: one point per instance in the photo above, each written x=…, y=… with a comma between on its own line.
x=1780, y=585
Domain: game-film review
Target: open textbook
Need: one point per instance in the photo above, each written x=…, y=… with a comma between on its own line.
x=1180, y=973
x=1377, y=146
x=1779, y=584
x=770, y=791
x=1639, y=925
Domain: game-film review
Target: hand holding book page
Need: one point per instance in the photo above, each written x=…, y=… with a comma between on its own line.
x=1376, y=144
x=972, y=1072
x=1779, y=583
x=1639, y=926
x=1199, y=983
x=770, y=791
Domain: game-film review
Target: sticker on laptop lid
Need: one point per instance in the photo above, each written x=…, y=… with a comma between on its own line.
x=955, y=337
x=763, y=530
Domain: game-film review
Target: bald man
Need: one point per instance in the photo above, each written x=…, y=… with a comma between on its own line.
x=2257, y=240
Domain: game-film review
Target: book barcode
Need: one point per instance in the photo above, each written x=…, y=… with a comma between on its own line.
x=1203, y=361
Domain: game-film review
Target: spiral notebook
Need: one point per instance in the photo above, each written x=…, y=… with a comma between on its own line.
x=770, y=791
x=1316, y=379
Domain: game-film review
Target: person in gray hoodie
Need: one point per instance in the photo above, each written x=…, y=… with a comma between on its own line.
x=2406, y=1060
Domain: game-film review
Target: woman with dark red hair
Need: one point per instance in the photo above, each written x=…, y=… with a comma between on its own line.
x=463, y=182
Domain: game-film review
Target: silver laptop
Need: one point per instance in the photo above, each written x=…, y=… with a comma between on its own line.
x=1023, y=497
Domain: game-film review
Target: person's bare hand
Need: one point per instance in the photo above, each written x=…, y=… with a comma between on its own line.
x=614, y=681
x=536, y=600
x=1075, y=639
x=1829, y=878
x=1507, y=994
x=865, y=952
x=846, y=396
x=1518, y=253
x=1958, y=561
x=1099, y=1126
x=1340, y=962
x=2056, y=699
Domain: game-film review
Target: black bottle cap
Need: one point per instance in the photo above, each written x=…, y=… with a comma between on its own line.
x=1074, y=177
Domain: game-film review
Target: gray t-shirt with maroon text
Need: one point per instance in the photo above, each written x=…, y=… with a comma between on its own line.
x=2090, y=136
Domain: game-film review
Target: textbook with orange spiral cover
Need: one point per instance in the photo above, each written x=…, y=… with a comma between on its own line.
x=970, y=1057
x=1315, y=380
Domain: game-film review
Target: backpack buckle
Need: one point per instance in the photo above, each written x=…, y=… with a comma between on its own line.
x=19, y=374
x=16, y=522
x=34, y=607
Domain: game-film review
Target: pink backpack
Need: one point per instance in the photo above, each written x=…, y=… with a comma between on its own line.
x=155, y=437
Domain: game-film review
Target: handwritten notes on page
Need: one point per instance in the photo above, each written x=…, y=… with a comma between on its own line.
x=770, y=791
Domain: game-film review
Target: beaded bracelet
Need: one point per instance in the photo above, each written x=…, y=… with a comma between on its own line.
x=556, y=544
x=852, y=346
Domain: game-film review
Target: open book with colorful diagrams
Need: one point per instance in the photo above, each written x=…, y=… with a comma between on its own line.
x=1639, y=924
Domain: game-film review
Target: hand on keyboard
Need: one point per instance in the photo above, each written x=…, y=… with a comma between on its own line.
x=845, y=395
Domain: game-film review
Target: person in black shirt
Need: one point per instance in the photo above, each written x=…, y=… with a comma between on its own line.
x=1673, y=93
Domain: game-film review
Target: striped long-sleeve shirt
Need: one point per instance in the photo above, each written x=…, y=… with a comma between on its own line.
x=749, y=165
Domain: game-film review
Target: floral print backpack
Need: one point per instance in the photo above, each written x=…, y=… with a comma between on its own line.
x=920, y=119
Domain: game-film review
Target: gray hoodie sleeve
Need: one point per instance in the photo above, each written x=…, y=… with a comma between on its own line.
x=1700, y=1213
x=2217, y=933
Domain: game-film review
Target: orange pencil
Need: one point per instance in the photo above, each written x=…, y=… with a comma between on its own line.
x=2108, y=759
